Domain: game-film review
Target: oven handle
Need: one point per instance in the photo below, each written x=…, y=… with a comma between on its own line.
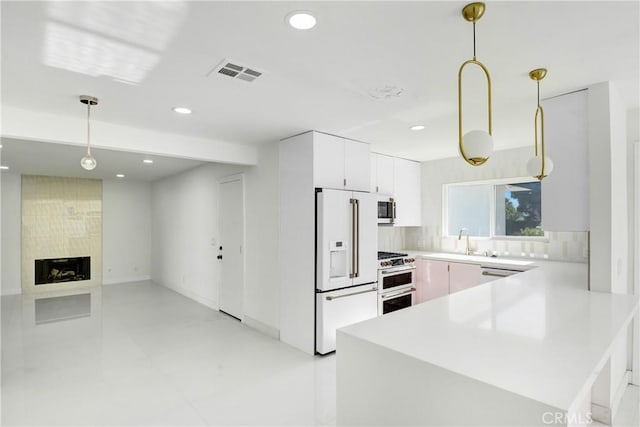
x=398, y=270
x=330, y=298
x=390, y=296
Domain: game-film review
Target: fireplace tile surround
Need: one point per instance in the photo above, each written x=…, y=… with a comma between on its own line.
x=61, y=218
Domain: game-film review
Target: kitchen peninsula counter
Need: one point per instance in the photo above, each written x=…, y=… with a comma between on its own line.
x=505, y=352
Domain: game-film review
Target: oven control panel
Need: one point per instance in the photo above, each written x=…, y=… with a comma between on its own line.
x=396, y=262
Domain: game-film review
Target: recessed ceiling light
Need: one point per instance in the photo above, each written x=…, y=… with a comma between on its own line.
x=149, y=161
x=301, y=20
x=182, y=110
x=417, y=127
x=4, y=168
x=120, y=175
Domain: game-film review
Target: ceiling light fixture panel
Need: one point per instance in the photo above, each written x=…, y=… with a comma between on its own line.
x=147, y=161
x=182, y=110
x=301, y=20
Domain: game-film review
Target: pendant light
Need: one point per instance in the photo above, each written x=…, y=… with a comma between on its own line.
x=88, y=162
x=475, y=146
x=539, y=166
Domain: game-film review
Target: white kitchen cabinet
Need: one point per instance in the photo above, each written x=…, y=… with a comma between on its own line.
x=328, y=161
x=407, y=192
x=340, y=163
x=308, y=161
x=565, y=192
x=356, y=165
x=438, y=278
x=382, y=174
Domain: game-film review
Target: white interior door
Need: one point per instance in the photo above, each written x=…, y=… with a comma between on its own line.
x=231, y=293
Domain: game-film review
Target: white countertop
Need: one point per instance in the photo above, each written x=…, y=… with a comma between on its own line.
x=497, y=262
x=539, y=333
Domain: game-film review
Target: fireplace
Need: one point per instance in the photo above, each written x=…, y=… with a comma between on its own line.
x=56, y=270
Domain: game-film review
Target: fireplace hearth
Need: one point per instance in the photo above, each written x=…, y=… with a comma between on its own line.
x=57, y=270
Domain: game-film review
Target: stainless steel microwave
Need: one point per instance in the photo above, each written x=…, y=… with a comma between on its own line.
x=386, y=210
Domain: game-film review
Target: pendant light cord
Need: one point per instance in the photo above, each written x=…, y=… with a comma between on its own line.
x=89, y=128
x=474, y=41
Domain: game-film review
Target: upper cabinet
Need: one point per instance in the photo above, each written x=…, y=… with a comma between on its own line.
x=340, y=163
x=565, y=192
x=407, y=192
x=399, y=179
x=381, y=174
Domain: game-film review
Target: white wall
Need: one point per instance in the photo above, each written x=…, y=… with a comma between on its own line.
x=633, y=144
x=185, y=219
x=262, y=238
x=561, y=246
x=126, y=231
x=11, y=220
x=608, y=189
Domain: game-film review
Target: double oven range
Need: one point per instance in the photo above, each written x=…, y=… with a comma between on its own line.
x=396, y=287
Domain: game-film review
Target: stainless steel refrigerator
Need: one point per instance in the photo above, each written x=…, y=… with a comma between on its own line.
x=346, y=262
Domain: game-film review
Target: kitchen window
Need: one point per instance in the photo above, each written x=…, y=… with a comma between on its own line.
x=508, y=208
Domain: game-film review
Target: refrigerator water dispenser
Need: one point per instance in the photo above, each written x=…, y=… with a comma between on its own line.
x=337, y=259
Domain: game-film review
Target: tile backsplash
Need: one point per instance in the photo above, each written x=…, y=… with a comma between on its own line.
x=558, y=246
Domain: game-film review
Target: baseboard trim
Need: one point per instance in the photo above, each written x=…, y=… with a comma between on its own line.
x=126, y=280
x=600, y=413
x=261, y=327
x=213, y=304
x=622, y=388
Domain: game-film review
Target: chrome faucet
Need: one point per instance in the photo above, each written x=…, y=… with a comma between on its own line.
x=462, y=230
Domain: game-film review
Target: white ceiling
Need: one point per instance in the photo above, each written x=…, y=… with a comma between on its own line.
x=143, y=58
x=43, y=158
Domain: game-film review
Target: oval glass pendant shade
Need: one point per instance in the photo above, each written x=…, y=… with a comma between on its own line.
x=477, y=146
x=88, y=162
x=534, y=166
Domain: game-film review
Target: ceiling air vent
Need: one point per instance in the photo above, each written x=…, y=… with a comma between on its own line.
x=236, y=71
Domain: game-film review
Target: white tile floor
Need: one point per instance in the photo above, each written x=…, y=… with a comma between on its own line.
x=148, y=356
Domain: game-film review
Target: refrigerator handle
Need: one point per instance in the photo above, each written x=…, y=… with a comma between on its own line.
x=357, y=240
x=354, y=242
